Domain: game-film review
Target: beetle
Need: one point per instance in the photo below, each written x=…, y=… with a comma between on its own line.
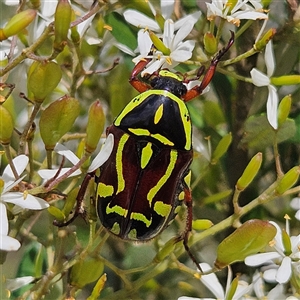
x=146, y=178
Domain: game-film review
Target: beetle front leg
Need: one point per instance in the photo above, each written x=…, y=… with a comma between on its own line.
x=197, y=90
x=139, y=85
x=79, y=209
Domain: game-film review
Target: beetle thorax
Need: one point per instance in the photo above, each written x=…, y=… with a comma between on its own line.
x=170, y=84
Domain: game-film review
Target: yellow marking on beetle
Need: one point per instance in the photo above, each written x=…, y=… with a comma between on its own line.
x=118, y=210
x=187, y=179
x=157, y=136
x=119, y=163
x=177, y=209
x=162, y=139
x=162, y=208
x=132, y=234
x=140, y=217
x=158, y=114
x=139, y=131
x=167, y=73
x=104, y=190
x=181, y=196
x=116, y=228
x=151, y=194
x=146, y=155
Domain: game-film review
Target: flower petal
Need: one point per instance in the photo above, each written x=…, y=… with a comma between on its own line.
x=259, y=259
x=270, y=275
x=140, y=20
x=144, y=42
x=168, y=33
x=285, y=270
x=16, y=283
x=194, y=17
x=269, y=59
x=211, y=281
x=295, y=203
x=68, y=154
x=182, y=33
x=259, y=78
x=7, y=243
x=272, y=106
x=183, y=52
x=103, y=155
x=167, y=8
x=20, y=162
x=3, y=220
x=249, y=15
x=47, y=174
x=277, y=292
x=25, y=201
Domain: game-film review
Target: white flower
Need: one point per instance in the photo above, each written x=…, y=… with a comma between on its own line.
x=288, y=260
x=295, y=204
x=16, y=283
x=142, y=21
x=179, y=51
x=260, y=79
x=98, y=161
x=21, y=200
x=173, y=35
x=241, y=10
x=212, y=283
x=259, y=288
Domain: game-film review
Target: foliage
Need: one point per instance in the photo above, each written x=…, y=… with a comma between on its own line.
x=64, y=73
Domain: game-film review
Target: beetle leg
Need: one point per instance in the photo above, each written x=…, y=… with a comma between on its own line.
x=197, y=90
x=188, y=227
x=135, y=81
x=79, y=209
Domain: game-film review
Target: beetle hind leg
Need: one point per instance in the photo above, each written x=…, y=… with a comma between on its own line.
x=188, y=227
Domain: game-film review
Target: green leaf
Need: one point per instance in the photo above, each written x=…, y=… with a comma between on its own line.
x=212, y=113
x=259, y=134
x=121, y=30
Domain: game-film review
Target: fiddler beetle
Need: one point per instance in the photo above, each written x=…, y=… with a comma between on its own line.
x=146, y=177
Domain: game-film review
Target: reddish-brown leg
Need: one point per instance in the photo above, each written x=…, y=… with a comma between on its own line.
x=197, y=90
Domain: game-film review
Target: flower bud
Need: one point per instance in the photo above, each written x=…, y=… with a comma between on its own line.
x=62, y=20
x=35, y=3
x=221, y=148
x=159, y=45
x=210, y=43
x=86, y=271
x=56, y=213
x=95, y=126
x=166, y=250
x=57, y=119
x=98, y=288
x=43, y=77
x=250, y=172
x=17, y=23
x=202, y=224
x=232, y=289
x=288, y=180
x=286, y=241
x=75, y=36
x=160, y=20
x=286, y=80
x=248, y=239
x=214, y=198
x=6, y=126
x=284, y=108
x=261, y=44
x=70, y=202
